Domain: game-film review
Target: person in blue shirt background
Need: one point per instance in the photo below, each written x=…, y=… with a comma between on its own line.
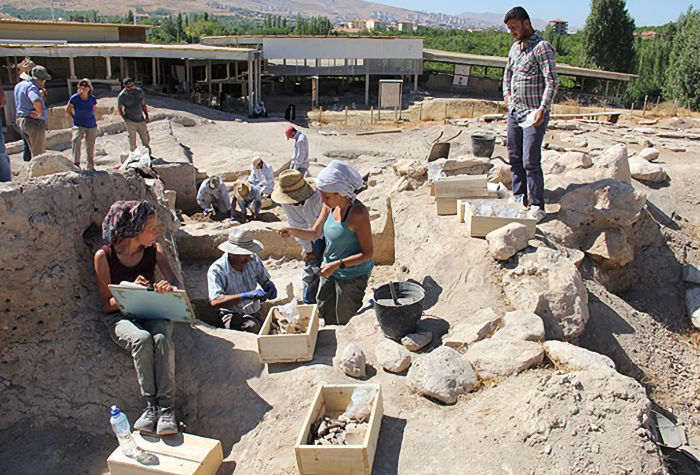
x=81, y=107
x=32, y=113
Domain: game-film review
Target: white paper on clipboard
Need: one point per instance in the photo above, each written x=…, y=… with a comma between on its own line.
x=141, y=303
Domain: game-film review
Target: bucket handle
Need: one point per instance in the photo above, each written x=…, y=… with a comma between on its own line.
x=393, y=293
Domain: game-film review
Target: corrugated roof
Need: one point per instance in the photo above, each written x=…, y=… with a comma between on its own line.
x=72, y=23
x=501, y=62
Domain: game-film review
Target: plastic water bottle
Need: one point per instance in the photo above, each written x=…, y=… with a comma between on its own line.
x=121, y=427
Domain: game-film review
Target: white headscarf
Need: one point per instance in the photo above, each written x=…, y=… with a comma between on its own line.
x=341, y=178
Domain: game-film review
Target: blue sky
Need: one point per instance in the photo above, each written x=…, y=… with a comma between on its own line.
x=644, y=12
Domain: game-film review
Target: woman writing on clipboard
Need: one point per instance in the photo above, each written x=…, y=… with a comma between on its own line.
x=132, y=254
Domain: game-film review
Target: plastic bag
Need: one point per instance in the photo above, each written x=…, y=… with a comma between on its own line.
x=435, y=171
x=289, y=311
x=360, y=406
x=138, y=158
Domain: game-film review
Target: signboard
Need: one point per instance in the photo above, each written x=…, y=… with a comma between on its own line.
x=390, y=93
x=461, y=77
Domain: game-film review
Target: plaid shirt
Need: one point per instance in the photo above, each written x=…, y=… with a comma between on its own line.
x=530, y=78
x=223, y=279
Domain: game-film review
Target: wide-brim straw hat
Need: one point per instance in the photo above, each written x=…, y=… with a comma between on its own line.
x=291, y=187
x=240, y=242
x=25, y=66
x=241, y=189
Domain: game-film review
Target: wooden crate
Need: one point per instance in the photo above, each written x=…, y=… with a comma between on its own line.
x=449, y=206
x=461, y=186
x=338, y=459
x=181, y=454
x=292, y=348
x=480, y=226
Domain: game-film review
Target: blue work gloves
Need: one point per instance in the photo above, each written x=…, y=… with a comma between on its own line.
x=254, y=294
x=208, y=210
x=270, y=290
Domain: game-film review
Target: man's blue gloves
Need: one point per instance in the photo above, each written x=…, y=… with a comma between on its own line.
x=270, y=290
x=208, y=210
x=253, y=294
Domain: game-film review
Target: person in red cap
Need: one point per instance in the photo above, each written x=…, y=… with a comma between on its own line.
x=300, y=157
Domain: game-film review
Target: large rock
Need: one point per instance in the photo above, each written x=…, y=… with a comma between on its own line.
x=500, y=172
x=605, y=203
x=465, y=165
x=573, y=160
x=410, y=168
x=611, y=249
x=521, y=325
x=551, y=165
x=649, y=154
x=417, y=341
x=692, y=305
x=181, y=178
x=568, y=357
x=471, y=329
x=507, y=241
x=443, y=375
x=613, y=164
x=352, y=361
x=548, y=283
x=644, y=171
x=392, y=357
x=497, y=358
x=49, y=163
x=691, y=273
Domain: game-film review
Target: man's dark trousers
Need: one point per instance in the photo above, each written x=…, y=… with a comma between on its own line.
x=525, y=156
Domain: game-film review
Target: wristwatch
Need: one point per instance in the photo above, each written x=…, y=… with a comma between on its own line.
x=342, y=264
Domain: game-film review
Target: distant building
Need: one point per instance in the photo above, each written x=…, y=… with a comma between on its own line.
x=374, y=24
x=72, y=31
x=405, y=26
x=648, y=35
x=560, y=27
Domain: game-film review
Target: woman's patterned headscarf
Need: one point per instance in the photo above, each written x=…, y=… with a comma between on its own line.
x=125, y=219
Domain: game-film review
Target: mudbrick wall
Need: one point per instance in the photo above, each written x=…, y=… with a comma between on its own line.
x=57, y=362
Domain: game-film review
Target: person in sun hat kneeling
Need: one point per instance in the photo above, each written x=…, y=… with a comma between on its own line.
x=233, y=281
x=246, y=197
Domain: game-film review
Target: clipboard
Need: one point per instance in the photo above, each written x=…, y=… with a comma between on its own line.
x=144, y=304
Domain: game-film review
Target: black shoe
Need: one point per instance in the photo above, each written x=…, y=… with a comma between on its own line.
x=167, y=424
x=147, y=422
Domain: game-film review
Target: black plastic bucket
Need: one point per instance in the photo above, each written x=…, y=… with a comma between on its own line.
x=482, y=145
x=397, y=321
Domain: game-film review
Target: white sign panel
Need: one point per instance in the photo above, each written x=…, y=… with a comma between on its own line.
x=461, y=77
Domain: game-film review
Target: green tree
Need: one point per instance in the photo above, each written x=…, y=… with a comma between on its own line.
x=609, y=36
x=130, y=17
x=180, y=28
x=683, y=73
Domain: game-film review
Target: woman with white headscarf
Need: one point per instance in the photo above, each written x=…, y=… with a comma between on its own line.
x=347, y=260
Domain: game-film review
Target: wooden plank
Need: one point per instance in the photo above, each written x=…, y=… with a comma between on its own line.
x=375, y=132
x=181, y=454
x=348, y=459
x=290, y=348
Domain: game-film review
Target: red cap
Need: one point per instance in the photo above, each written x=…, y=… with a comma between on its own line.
x=288, y=132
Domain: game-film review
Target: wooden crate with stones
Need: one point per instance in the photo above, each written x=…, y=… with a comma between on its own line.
x=332, y=400
x=179, y=454
x=483, y=216
x=450, y=189
x=291, y=347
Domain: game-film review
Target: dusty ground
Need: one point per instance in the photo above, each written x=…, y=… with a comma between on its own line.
x=504, y=427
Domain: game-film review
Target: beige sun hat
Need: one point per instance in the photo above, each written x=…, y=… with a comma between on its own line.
x=25, y=66
x=241, y=189
x=240, y=242
x=291, y=187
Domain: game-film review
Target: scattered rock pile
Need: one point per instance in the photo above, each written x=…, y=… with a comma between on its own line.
x=329, y=430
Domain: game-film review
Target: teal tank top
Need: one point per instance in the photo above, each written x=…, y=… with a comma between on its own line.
x=342, y=243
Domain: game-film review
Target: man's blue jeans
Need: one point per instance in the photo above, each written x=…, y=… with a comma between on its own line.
x=525, y=156
x=253, y=205
x=5, y=171
x=309, y=275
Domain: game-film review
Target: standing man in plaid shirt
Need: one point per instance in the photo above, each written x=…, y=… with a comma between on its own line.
x=529, y=86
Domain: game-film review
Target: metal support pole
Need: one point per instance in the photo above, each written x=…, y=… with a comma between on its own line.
x=415, y=82
x=366, y=89
x=108, y=63
x=71, y=67
x=153, y=71
x=250, y=86
x=228, y=70
x=209, y=79
x=121, y=66
x=188, y=75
